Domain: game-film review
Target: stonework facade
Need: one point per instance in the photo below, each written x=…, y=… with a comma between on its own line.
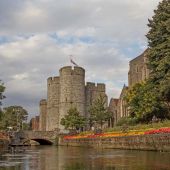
x=114, y=109
x=138, y=72
x=43, y=112
x=66, y=91
x=123, y=110
x=34, y=123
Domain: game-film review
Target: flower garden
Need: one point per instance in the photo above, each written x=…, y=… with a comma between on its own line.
x=90, y=135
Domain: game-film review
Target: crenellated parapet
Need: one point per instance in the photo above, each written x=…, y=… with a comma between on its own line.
x=68, y=70
x=53, y=80
x=43, y=102
x=101, y=87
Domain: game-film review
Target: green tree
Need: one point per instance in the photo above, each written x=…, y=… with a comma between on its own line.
x=2, y=89
x=14, y=116
x=152, y=98
x=99, y=112
x=159, y=51
x=73, y=120
x=143, y=103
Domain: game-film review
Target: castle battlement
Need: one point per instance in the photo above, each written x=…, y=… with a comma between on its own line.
x=43, y=102
x=90, y=85
x=68, y=70
x=94, y=86
x=52, y=80
x=101, y=87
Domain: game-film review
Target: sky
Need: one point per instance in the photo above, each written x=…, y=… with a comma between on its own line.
x=37, y=37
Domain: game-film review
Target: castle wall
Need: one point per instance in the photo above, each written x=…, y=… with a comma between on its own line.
x=43, y=112
x=92, y=93
x=53, y=85
x=72, y=90
x=67, y=91
x=35, y=123
x=114, y=108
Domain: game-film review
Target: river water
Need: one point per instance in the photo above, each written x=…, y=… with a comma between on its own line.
x=76, y=158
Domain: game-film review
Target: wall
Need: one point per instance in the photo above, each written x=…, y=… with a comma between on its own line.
x=52, y=120
x=92, y=93
x=66, y=91
x=72, y=90
x=154, y=142
x=35, y=123
x=114, y=108
x=43, y=112
x=138, y=71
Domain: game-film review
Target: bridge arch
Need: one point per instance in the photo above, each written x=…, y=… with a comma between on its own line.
x=39, y=140
x=42, y=137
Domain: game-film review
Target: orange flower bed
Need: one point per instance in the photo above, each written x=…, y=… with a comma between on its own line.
x=117, y=134
x=104, y=135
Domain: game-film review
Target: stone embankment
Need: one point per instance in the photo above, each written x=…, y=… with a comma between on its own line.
x=154, y=142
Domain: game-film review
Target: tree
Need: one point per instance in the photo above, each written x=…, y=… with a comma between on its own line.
x=13, y=116
x=159, y=51
x=73, y=120
x=144, y=104
x=2, y=89
x=99, y=112
x=152, y=98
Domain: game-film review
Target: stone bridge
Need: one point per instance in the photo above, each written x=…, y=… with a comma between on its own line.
x=42, y=137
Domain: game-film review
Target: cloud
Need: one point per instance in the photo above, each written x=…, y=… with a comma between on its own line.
x=37, y=36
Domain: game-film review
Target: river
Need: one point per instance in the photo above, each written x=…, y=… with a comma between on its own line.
x=76, y=158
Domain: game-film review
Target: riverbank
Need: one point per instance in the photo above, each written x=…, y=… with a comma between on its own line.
x=3, y=145
x=154, y=142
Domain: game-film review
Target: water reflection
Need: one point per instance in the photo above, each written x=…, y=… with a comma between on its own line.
x=75, y=158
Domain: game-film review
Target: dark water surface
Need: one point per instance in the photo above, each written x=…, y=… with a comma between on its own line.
x=76, y=158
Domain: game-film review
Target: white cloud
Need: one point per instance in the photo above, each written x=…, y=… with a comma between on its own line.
x=102, y=35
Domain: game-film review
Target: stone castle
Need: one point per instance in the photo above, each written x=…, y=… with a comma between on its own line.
x=69, y=90
x=65, y=91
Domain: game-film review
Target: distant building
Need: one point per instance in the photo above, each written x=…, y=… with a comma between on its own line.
x=34, y=123
x=114, y=109
x=65, y=91
x=123, y=110
x=43, y=115
x=138, y=72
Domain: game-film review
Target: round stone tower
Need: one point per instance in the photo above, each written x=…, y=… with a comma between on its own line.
x=72, y=90
x=52, y=121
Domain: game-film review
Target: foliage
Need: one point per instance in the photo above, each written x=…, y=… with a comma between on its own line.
x=130, y=121
x=2, y=89
x=73, y=120
x=159, y=51
x=13, y=116
x=98, y=111
x=152, y=98
x=144, y=103
x=165, y=123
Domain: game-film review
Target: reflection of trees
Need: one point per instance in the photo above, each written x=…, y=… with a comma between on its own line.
x=75, y=166
x=80, y=166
